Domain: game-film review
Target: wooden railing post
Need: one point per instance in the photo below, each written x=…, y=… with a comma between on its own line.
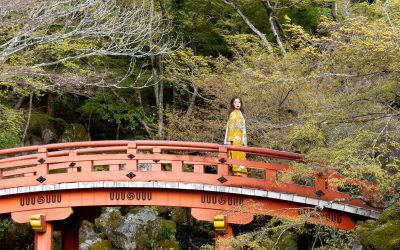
x=72, y=167
x=42, y=166
x=321, y=183
x=198, y=169
x=156, y=166
x=270, y=175
x=176, y=166
x=222, y=158
x=131, y=163
x=86, y=166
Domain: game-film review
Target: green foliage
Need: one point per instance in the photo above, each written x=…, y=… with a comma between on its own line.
x=307, y=17
x=205, y=226
x=167, y=230
x=202, y=23
x=11, y=122
x=74, y=132
x=15, y=236
x=4, y=224
x=306, y=136
x=383, y=233
x=281, y=233
x=179, y=215
x=170, y=245
x=112, y=110
x=349, y=188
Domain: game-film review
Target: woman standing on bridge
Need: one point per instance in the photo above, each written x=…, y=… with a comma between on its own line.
x=236, y=134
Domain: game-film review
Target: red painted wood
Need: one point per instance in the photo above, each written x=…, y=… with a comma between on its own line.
x=233, y=206
x=57, y=213
x=44, y=241
x=70, y=235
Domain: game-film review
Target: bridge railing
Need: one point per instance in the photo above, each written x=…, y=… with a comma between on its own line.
x=168, y=161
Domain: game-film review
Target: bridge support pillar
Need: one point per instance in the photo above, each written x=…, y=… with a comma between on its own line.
x=223, y=230
x=70, y=234
x=44, y=240
x=219, y=237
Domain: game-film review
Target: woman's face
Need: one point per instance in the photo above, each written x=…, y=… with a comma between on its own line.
x=236, y=104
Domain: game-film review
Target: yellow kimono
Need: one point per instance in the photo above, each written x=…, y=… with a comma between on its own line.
x=236, y=134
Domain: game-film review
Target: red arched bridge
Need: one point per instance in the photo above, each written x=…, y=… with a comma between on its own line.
x=50, y=184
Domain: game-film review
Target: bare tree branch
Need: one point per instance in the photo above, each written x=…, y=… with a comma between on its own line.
x=251, y=26
x=115, y=30
x=272, y=18
x=389, y=20
x=28, y=120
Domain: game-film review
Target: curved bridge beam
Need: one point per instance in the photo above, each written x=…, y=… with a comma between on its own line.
x=205, y=204
x=36, y=195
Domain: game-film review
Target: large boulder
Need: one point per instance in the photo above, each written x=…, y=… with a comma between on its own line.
x=87, y=236
x=131, y=231
x=75, y=132
x=109, y=220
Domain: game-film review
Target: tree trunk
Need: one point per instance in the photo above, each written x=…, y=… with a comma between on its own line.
x=158, y=83
x=19, y=103
x=48, y=130
x=141, y=120
x=334, y=11
x=191, y=100
x=261, y=35
x=274, y=28
x=28, y=120
x=272, y=14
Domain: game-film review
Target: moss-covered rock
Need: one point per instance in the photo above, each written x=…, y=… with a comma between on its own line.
x=49, y=128
x=135, y=230
x=170, y=225
x=384, y=233
x=135, y=227
x=167, y=230
x=109, y=220
x=87, y=236
x=101, y=245
x=169, y=245
x=164, y=211
x=74, y=132
x=179, y=215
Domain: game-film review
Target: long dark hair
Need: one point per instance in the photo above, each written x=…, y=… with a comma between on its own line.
x=231, y=108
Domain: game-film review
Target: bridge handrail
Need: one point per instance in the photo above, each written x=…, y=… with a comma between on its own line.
x=164, y=145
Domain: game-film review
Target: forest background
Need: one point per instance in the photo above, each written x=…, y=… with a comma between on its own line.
x=318, y=77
